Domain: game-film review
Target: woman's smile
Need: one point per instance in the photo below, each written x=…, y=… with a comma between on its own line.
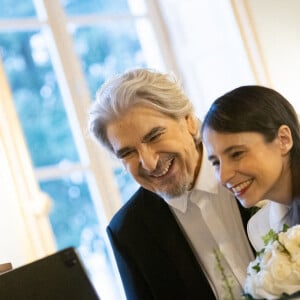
x=241, y=188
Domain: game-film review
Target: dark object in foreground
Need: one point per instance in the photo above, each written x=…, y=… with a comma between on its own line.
x=60, y=276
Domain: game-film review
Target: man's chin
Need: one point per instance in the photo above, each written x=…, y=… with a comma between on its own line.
x=171, y=190
x=170, y=195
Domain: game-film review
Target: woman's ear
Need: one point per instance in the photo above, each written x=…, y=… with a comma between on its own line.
x=192, y=124
x=285, y=139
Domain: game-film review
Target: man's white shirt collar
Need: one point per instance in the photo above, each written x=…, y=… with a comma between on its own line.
x=205, y=182
x=219, y=212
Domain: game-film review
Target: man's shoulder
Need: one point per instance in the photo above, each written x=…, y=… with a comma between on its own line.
x=141, y=202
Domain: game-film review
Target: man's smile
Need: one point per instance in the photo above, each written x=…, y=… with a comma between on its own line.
x=163, y=170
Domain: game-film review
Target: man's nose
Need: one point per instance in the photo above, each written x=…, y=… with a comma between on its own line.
x=148, y=159
x=226, y=173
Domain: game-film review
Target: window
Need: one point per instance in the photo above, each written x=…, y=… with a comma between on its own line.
x=56, y=54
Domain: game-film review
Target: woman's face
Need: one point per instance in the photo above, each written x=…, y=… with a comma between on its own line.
x=250, y=167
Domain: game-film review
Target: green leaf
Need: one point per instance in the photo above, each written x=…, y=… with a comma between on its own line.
x=271, y=236
x=256, y=267
x=261, y=252
x=285, y=227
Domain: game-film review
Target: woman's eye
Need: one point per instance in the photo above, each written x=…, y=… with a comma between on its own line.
x=237, y=154
x=215, y=163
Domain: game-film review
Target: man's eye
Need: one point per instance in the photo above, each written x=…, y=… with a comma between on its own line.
x=125, y=154
x=154, y=137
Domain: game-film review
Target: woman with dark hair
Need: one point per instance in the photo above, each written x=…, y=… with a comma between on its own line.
x=252, y=138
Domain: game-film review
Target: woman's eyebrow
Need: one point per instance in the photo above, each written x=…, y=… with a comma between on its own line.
x=225, y=151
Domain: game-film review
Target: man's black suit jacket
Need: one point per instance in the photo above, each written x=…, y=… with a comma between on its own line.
x=154, y=259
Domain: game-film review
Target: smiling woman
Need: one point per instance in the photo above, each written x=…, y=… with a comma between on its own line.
x=250, y=167
x=252, y=136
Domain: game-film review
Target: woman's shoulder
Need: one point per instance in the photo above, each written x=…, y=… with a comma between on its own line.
x=271, y=215
x=259, y=224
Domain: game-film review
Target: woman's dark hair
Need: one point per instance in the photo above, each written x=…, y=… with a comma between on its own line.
x=259, y=109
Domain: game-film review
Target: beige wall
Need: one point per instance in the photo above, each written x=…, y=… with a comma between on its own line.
x=207, y=43
x=214, y=56
x=277, y=27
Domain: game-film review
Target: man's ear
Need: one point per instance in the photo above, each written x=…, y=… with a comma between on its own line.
x=285, y=139
x=192, y=124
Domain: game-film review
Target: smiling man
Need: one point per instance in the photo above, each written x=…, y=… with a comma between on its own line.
x=152, y=154
x=181, y=231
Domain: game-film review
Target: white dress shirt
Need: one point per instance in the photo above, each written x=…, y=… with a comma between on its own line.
x=209, y=214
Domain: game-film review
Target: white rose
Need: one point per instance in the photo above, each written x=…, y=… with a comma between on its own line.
x=276, y=270
x=296, y=268
x=261, y=286
x=291, y=241
x=280, y=266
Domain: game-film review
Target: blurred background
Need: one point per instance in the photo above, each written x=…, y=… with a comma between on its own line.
x=58, y=188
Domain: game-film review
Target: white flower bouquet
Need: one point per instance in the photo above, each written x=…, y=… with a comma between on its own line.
x=275, y=273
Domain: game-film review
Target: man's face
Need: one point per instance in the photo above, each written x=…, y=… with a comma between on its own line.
x=158, y=151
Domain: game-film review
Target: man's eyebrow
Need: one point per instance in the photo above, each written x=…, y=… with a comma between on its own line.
x=120, y=153
x=153, y=132
x=148, y=136
x=225, y=151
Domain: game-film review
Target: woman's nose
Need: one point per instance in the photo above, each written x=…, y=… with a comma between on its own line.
x=226, y=173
